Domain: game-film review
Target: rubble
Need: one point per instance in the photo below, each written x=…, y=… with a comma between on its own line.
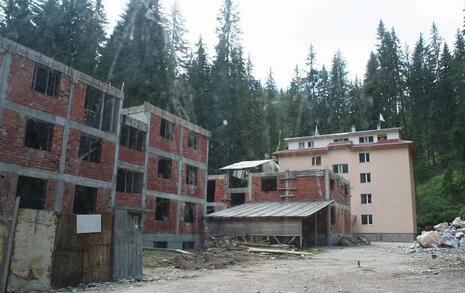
x=349, y=240
x=444, y=236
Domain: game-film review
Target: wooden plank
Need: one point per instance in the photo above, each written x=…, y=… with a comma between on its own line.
x=277, y=251
x=9, y=248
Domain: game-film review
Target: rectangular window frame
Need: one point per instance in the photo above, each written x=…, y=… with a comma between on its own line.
x=310, y=144
x=316, y=161
x=193, y=139
x=366, y=139
x=301, y=145
x=132, y=138
x=85, y=200
x=166, y=129
x=269, y=184
x=129, y=181
x=365, y=177
x=364, y=157
x=34, y=138
x=161, y=173
x=191, y=175
x=90, y=148
x=341, y=168
x=367, y=219
x=52, y=80
x=365, y=198
x=162, y=209
x=101, y=110
x=36, y=198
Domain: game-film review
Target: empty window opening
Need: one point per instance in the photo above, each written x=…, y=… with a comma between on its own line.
x=188, y=245
x=39, y=135
x=46, y=80
x=367, y=219
x=341, y=168
x=129, y=181
x=160, y=244
x=316, y=161
x=90, y=148
x=382, y=136
x=210, y=210
x=189, y=212
x=211, y=186
x=164, y=168
x=85, y=199
x=132, y=138
x=365, y=139
x=237, y=199
x=333, y=215
x=364, y=157
x=238, y=178
x=191, y=175
x=366, y=198
x=31, y=192
x=101, y=110
x=193, y=139
x=166, y=129
x=365, y=177
x=269, y=184
x=162, y=209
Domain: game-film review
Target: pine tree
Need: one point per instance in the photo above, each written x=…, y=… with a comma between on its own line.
x=18, y=20
x=338, y=94
x=136, y=55
x=271, y=118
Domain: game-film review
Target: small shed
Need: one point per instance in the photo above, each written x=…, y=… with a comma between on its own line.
x=238, y=172
x=303, y=223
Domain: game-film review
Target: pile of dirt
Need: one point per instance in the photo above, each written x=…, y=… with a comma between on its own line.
x=445, y=235
x=349, y=240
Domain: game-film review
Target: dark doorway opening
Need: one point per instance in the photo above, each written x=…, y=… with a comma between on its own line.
x=237, y=199
x=85, y=199
x=211, y=186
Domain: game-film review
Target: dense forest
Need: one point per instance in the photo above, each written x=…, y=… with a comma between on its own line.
x=422, y=90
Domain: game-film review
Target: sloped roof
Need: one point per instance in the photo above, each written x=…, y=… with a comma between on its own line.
x=246, y=165
x=280, y=209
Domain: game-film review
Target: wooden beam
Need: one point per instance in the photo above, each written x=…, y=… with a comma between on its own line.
x=9, y=248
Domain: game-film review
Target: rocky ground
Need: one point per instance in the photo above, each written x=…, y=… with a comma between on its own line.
x=384, y=267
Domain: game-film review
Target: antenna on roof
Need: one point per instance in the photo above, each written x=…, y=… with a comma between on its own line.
x=316, y=130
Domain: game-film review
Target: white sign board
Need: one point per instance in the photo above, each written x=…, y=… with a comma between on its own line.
x=88, y=224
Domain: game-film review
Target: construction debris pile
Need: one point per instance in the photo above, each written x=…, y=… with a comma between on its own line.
x=444, y=235
x=349, y=240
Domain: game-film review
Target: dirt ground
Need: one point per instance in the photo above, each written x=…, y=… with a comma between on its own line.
x=384, y=267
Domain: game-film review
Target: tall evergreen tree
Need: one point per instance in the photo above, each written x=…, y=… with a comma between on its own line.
x=18, y=20
x=271, y=119
x=338, y=95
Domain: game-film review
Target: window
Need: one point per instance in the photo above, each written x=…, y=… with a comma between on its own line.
x=365, y=139
x=191, y=175
x=310, y=144
x=160, y=244
x=101, y=110
x=164, y=168
x=316, y=161
x=341, y=139
x=39, y=135
x=269, y=184
x=90, y=148
x=132, y=137
x=366, y=198
x=85, y=199
x=188, y=245
x=31, y=192
x=301, y=145
x=46, y=80
x=341, y=168
x=237, y=199
x=367, y=219
x=162, y=209
x=365, y=177
x=211, y=186
x=129, y=182
x=189, y=212
x=382, y=136
x=166, y=129
x=364, y=157
x=193, y=139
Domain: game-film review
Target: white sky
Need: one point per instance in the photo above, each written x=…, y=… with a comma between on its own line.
x=277, y=33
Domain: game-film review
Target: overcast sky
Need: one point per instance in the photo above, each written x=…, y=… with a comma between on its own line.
x=277, y=33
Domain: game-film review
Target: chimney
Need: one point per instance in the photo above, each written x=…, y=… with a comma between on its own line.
x=353, y=128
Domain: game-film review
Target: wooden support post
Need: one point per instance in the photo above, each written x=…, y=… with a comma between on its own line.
x=9, y=248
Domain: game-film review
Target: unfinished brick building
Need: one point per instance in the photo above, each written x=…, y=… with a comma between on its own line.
x=255, y=199
x=164, y=159
x=67, y=145
x=58, y=135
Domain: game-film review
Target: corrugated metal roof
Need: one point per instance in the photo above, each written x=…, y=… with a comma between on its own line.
x=280, y=209
x=245, y=165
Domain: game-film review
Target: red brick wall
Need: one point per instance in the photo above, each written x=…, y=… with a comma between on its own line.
x=133, y=200
x=102, y=171
x=162, y=143
x=8, y=183
x=131, y=156
x=259, y=195
x=194, y=190
x=219, y=190
x=20, y=88
x=13, y=150
x=78, y=103
x=199, y=154
x=161, y=227
x=161, y=184
x=339, y=195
